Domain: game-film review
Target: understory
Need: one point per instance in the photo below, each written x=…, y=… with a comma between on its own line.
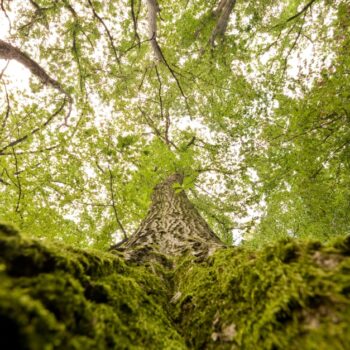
x=290, y=295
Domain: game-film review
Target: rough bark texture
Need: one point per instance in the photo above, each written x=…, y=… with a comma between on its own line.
x=173, y=227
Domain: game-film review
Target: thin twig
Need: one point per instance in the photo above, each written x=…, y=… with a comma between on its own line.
x=8, y=109
x=34, y=131
x=110, y=37
x=113, y=204
x=5, y=13
x=19, y=153
x=19, y=186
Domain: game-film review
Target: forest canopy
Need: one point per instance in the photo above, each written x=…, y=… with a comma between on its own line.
x=101, y=100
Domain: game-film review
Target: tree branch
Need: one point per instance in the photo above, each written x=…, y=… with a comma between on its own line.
x=2, y=6
x=113, y=204
x=34, y=131
x=134, y=21
x=110, y=37
x=19, y=186
x=153, y=10
x=304, y=9
x=9, y=52
x=8, y=110
x=223, y=13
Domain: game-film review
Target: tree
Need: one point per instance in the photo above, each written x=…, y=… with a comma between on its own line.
x=195, y=97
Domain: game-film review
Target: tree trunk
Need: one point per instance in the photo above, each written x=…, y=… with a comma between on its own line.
x=173, y=227
x=292, y=295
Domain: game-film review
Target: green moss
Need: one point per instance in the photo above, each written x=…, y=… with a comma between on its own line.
x=289, y=295
x=8, y=230
x=54, y=297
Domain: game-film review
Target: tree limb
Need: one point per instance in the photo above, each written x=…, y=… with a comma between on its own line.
x=9, y=52
x=34, y=131
x=110, y=37
x=153, y=10
x=223, y=13
x=111, y=178
x=134, y=21
x=304, y=9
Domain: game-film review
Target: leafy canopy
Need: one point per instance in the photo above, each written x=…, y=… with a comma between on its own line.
x=253, y=108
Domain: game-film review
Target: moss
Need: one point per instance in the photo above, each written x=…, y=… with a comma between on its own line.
x=285, y=296
x=289, y=295
x=9, y=230
x=55, y=297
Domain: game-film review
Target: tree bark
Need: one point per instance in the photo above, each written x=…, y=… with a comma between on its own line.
x=153, y=10
x=173, y=227
x=222, y=13
x=10, y=52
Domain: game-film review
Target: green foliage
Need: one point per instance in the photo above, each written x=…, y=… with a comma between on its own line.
x=258, y=123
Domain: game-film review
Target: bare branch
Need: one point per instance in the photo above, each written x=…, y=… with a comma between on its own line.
x=9, y=52
x=156, y=131
x=2, y=6
x=4, y=69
